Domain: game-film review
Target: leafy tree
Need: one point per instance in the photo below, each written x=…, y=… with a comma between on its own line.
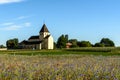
x=84, y=44
x=66, y=37
x=54, y=45
x=2, y=46
x=12, y=43
x=98, y=45
x=74, y=42
x=107, y=42
x=61, y=42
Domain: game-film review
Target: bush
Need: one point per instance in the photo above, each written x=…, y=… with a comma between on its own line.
x=107, y=42
x=98, y=45
x=84, y=44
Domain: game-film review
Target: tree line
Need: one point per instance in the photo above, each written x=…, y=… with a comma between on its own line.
x=62, y=40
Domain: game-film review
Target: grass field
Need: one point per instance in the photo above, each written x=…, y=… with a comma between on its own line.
x=109, y=51
x=72, y=64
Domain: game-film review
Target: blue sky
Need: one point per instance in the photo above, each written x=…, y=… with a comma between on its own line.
x=89, y=20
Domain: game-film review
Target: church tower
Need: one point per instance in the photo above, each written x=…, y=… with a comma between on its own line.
x=46, y=38
x=43, y=32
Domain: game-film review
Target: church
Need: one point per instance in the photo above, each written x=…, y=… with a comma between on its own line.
x=42, y=41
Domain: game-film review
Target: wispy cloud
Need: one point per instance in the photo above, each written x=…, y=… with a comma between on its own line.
x=27, y=24
x=13, y=26
x=16, y=24
x=21, y=17
x=10, y=1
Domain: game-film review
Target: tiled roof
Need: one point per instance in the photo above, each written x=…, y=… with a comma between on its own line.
x=34, y=42
x=30, y=42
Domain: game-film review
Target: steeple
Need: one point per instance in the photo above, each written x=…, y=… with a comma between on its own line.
x=43, y=32
x=44, y=29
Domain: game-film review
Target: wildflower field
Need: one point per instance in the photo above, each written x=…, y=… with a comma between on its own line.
x=76, y=66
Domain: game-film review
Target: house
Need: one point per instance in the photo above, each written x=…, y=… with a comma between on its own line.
x=42, y=41
x=68, y=45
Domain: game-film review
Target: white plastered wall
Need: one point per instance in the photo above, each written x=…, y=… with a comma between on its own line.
x=50, y=43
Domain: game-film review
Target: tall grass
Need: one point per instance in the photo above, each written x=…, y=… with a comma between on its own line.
x=55, y=67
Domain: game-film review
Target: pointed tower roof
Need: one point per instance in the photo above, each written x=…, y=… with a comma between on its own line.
x=44, y=28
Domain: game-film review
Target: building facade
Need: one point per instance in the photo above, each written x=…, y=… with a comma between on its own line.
x=42, y=41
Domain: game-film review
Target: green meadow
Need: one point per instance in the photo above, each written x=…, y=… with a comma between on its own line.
x=105, y=51
x=64, y=64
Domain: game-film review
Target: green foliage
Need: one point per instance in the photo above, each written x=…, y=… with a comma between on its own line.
x=63, y=39
x=84, y=44
x=92, y=49
x=61, y=42
x=74, y=43
x=104, y=51
x=66, y=37
x=2, y=46
x=54, y=45
x=98, y=45
x=107, y=42
x=12, y=43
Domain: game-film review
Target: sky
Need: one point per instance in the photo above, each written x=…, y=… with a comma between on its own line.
x=89, y=20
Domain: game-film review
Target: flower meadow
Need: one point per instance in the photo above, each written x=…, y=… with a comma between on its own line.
x=59, y=67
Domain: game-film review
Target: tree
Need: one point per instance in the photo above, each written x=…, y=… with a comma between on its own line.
x=12, y=43
x=66, y=37
x=98, y=45
x=61, y=42
x=107, y=42
x=74, y=42
x=2, y=46
x=54, y=45
x=84, y=44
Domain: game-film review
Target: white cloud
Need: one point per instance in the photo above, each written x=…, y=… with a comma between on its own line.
x=21, y=17
x=13, y=26
x=9, y=1
x=27, y=24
